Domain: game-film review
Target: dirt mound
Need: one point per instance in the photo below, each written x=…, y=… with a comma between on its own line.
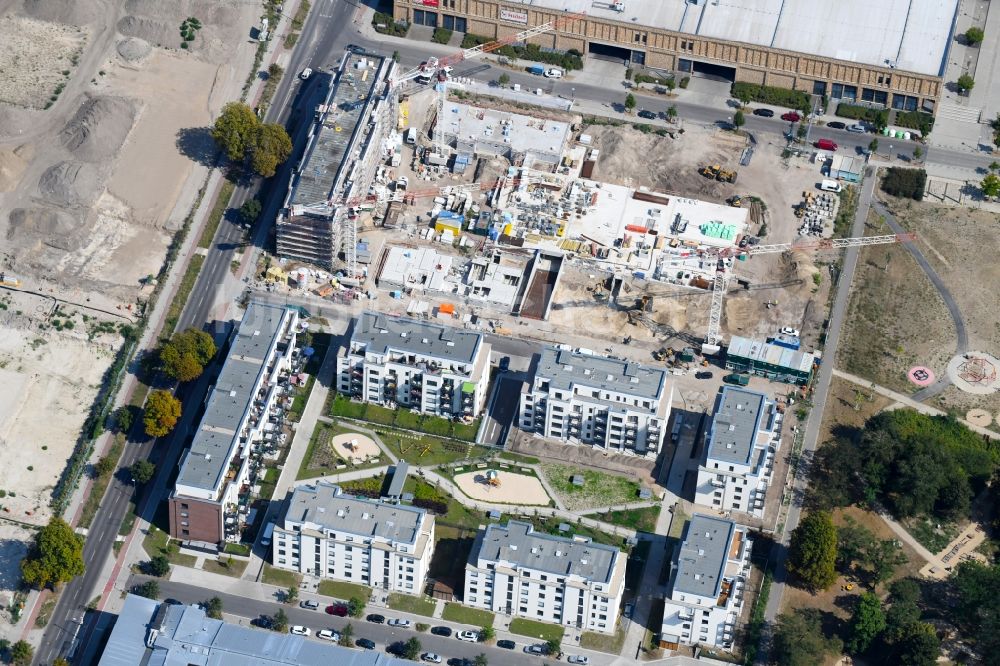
x=45, y=226
x=13, y=162
x=161, y=33
x=70, y=12
x=133, y=49
x=99, y=127
x=803, y=266
x=70, y=184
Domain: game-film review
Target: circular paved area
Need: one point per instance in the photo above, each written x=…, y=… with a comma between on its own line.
x=513, y=488
x=355, y=446
x=975, y=372
x=979, y=417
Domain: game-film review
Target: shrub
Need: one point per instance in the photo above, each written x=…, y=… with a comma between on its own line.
x=470, y=40
x=645, y=78
x=906, y=183
x=974, y=36
x=795, y=99
x=441, y=36
x=877, y=117
x=385, y=24
x=918, y=120
x=685, y=81
x=433, y=506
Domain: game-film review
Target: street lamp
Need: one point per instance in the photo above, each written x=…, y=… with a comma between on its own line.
x=890, y=152
x=573, y=93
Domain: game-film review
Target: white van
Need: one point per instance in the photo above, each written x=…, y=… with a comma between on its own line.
x=830, y=186
x=410, y=136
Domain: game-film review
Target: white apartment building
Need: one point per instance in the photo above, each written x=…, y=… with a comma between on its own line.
x=740, y=448
x=607, y=403
x=707, y=584
x=571, y=582
x=329, y=534
x=394, y=361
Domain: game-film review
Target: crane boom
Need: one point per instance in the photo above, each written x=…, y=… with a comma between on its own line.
x=830, y=243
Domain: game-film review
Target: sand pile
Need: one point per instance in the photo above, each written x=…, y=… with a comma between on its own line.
x=70, y=12
x=43, y=226
x=151, y=30
x=133, y=49
x=99, y=127
x=13, y=162
x=70, y=184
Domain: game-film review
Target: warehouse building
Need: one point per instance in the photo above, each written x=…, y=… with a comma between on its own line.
x=769, y=360
x=571, y=582
x=890, y=53
x=329, y=534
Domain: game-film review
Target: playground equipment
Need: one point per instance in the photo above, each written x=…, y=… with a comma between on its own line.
x=493, y=477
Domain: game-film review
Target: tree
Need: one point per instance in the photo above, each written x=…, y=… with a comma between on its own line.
x=105, y=466
x=917, y=154
x=974, y=36
x=920, y=646
x=486, y=634
x=883, y=557
x=480, y=660
x=60, y=661
x=158, y=566
x=965, y=83
x=250, y=211
x=553, y=645
x=813, y=551
x=799, y=639
x=346, y=634
x=291, y=594
x=280, y=621
x=903, y=611
x=150, y=589
x=235, y=130
x=990, y=185
x=867, y=622
x=744, y=95
x=411, y=649
x=629, y=102
x=271, y=147
x=162, y=412
x=142, y=471
x=185, y=355
x=977, y=611
x=213, y=608
x=124, y=418
x=55, y=557
x=21, y=653
x=355, y=607
x=853, y=541
x=503, y=80
x=738, y=119
x=873, y=146
x=672, y=111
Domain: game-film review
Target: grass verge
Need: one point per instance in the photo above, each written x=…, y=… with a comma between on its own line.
x=610, y=643
x=456, y=612
x=100, y=486
x=640, y=520
x=339, y=589
x=237, y=549
x=45, y=612
x=598, y=489
x=183, y=292
x=215, y=215
x=226, y=567
x=157, y=542
x=540, y=630
x=280, y=577
x=411, y=604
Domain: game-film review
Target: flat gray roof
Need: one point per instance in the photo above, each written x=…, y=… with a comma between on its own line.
x=565, y=369
x=911, y=34
x=703, y=554
x=776, y=355
x=737, y=418
x=517, y=542
x=326, y=505
x=398, y=479
x=206, y=461
x=381, y=333
x=185, y=636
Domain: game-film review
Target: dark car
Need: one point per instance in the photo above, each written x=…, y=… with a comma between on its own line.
x=704, y=374
x=506, y=645
x=365, y=643
x=836, y=124
x=355, y=49
x=540, y=649
x=264, y=622
x=505, y=364
x=791, y=117
x=340, y=610
x=441, y=631
x=172, y=602
x=648, y=115
x=459, y=661
x=764, y=113
x=375, y=618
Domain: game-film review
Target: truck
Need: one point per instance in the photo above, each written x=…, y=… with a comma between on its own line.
x=737, y=379
x=537, y=70
x=828, y=185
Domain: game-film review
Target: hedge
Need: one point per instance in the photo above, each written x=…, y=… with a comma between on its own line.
x=441, y=36
x=645, y=78
x=569, y=60
x=906, y=183
x=385, y=24
x=878, y=118
x=918, y=120
x=794, y=99
x=433, y=506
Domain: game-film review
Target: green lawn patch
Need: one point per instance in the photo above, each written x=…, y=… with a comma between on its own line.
x=641, y=520
x=101, y=483
x=411, y=604
x=238, y=549
x=402, y=418
x=368, y=486
x=128, y=522
x=610, y=643
x=598, y=489
x=456, y=612
x=281, y=577
x=300, y=399
x=339, y=589
x=181, y=297
x=158, y=542
x=540, y=630
x=227, y=566
x=678, y=522
x=427, y=450
x=518, y=458
x=321, y=459
x=215, y=215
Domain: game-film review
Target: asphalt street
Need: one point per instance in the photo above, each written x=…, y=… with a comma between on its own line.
x=502, y=408
x=382, y=635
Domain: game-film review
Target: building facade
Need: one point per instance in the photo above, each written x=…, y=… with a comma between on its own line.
x=400, y=362
x=707, y=584
x=740, y=448
x=327, y=533
x=776, y=362
x=604, y=402
x=211, y=497
x=570, y=582
x=347, y=142
x=854, y=51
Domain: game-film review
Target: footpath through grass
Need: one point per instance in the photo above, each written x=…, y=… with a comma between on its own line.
x=540, y=630
x=456, y=612
x=411, y=604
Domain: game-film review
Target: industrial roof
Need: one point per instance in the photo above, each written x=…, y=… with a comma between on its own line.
x=325, y=505
x=380, y=334
x=567, y=370
x=206, y=461
x=179, y=635
x=848, y=163
x=765, y=352
x=911, y=35
x=737, y=419
x=399, y=474
x=703, y=554
x=517, y=543
x=497, y=132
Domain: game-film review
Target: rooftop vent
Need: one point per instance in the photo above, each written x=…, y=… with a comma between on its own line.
x=402, y=334
x=340, y=513
x=256, y=332
x=208, y=456
x=365, y=516
x=513, y=546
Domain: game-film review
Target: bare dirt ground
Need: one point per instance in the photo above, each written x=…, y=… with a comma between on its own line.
x=37, y=57
x=513, y=489
x=14, y=541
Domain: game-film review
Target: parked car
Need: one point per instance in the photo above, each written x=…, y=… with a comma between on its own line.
x=309, y=604
x=648, y=115
x=365, y=643
x=578, y=659
x=299, y=630
x=539, y=648
x=340, y=610
x=703, y=374
x=858, y=127
x=826, y=144
x=468, y=636
x=430, y=658
x=764, y=113
x=506, y=645
x=787, y=330
x=791, y=116
x=376, y=618
x=264, y=622
x=505, y=364
x=441, y=631
x=397, y=622
x=554, y=73
x=459, y=661
x=306, y=73
x=328, y=635
x=836, y=124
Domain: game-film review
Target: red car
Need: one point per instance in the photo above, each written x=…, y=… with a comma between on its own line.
x=340, y=610
x=791, y=117
x=826, y=144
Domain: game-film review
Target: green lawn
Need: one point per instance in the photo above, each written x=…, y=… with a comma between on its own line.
x=599, y=488
x=320, y=458
x=300, y=399
x=181, y=296
x=641, y=520
x=403, y=418
x=411, y=604
x=226, y=566
x=100, y=486
x=427, y=450
x=280, y=577
x=238, y=549
x=339, y=589
x=518, y=458
x=157, y=542
x=215, y=215
x=610, y=643
x=476, y=617
x=677, y=522
x=540, y=630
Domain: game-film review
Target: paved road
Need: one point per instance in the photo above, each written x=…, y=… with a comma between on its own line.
x=502, y=410
x=381, y=634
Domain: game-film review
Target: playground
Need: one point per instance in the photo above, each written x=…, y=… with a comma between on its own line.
x=355, y=447
x=502, y=487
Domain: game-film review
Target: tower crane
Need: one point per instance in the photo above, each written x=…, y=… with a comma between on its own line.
x=713, y=337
